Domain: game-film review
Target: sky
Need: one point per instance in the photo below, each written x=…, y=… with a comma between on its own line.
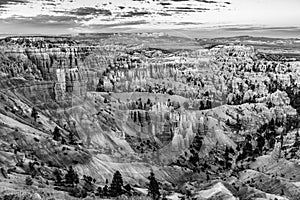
x=191, y=18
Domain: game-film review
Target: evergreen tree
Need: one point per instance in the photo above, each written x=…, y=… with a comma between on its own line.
x=164, y=197
x=72, y=138
x=32, y=169
x=78, y=192
x=56, y=134
x=153, y=189
x=58, y=177
x=34, y=114
x=227, y=158
x=88, y=184
x=63, y=141
x=128, y=189
x=100, y=87
x=134, y=117
x=116, y=184
x=71, y=176
x=99, y=192
x=28, y=180
x=260, y=143
x=105, y=191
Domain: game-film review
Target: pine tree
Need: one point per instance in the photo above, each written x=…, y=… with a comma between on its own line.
x=128, y=189
x=134, y=117
x=100, y=87
x=88, y=185
x=56, y=134
x=72, y=138
x=116, y=184
x=28, y=180
x=34, y=114
x=58, y=177
x=32, y=169
x=164, y=197
x=99, y=192
x=105, y=191
x=153, y=189
x=71, y=176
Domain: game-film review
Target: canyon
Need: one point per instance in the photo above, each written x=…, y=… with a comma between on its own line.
x=180, y=108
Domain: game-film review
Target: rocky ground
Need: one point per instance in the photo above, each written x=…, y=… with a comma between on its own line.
x=211, y=120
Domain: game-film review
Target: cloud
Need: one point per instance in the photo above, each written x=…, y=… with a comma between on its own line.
x=203, y=1
x=135, y=13
x=165, y=3
x=191, y=8
x=4, y=3
x=84, y=11
x=206, y=1
x=164, y=14
x=258, y=28
x=44, y=20
x=188, y=23
x=121, y=24
x=187, y=9
x=92, y=14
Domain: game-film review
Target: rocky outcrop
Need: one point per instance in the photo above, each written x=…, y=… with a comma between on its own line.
x=217, y=191
x=58, y=71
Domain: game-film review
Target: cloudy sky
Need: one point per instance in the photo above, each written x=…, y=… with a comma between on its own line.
x=186, y=17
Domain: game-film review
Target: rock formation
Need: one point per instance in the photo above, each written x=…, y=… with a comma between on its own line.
x=193, y=117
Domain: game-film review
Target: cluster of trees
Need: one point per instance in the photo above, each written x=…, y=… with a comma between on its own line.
x=139, y=105
x=58, y=137
x=265, y=138
x=194, y=149
x=71, y=181
x=157, y=88
x=246, y=149
x=146, y=146
x=116, y=188
x=70, y=178
x=204, y=105
x=191, y=159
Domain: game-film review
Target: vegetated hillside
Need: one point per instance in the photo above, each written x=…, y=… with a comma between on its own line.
x=209, y=123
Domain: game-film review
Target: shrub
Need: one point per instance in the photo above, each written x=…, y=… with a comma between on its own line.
x=28, y=180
